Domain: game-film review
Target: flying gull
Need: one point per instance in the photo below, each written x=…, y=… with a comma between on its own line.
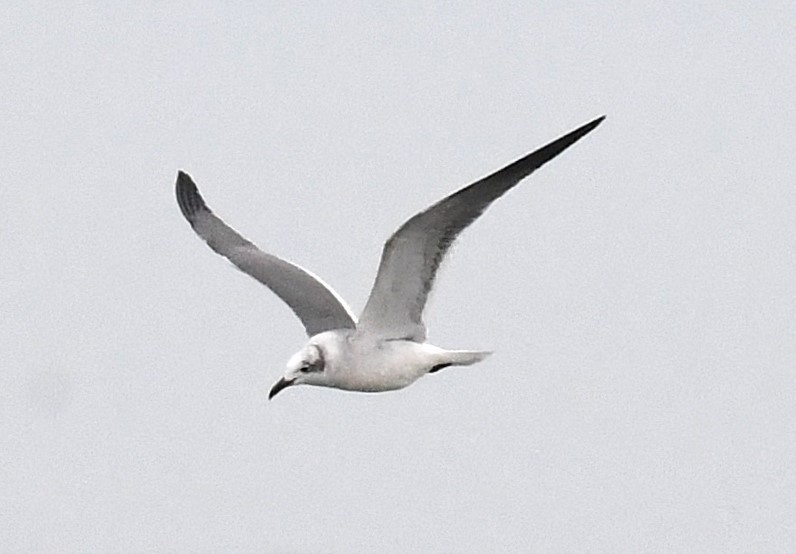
x=385, y=349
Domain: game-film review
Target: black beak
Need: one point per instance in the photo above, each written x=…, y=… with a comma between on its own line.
x=278, y=386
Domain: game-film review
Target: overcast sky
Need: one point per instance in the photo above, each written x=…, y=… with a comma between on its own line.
x=638, y=291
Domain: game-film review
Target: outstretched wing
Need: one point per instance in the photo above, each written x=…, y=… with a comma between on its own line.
x=413, y=253
x=318, y=307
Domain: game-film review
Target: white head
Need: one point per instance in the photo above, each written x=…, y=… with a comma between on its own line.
x=305, y=367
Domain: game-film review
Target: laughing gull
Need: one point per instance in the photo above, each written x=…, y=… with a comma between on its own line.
x=386, y=349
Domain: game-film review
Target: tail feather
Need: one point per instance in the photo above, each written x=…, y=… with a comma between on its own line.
x=458, y=357
x=465, y=357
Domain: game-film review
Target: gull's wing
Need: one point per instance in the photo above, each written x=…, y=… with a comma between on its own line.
x=413, y=253
x=314, y=302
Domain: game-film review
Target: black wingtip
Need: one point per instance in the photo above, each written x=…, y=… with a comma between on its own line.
x=591, y=125
x=188, y=197
x=515, y=172
x=550, y=151
x=584, y=129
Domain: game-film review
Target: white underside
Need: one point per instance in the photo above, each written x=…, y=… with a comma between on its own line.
x=357, y=364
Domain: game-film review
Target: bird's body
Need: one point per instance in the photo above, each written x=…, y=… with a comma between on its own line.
x=385, y=349
x=358, y=362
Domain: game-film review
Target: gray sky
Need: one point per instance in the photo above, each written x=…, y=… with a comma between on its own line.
x=638, y=292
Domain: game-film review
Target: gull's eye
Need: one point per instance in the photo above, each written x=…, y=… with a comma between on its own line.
x=313, y=360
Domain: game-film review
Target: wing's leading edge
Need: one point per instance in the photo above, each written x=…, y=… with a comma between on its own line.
x=412, y=255
x=315, y=303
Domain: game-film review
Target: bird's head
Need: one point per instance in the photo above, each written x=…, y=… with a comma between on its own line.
x=305, y=367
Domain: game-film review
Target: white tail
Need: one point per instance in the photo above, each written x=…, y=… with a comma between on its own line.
x=459, y=357
x=466, y=357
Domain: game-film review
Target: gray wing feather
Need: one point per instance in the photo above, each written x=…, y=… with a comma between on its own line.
x=412, y=255
x=315, y=303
